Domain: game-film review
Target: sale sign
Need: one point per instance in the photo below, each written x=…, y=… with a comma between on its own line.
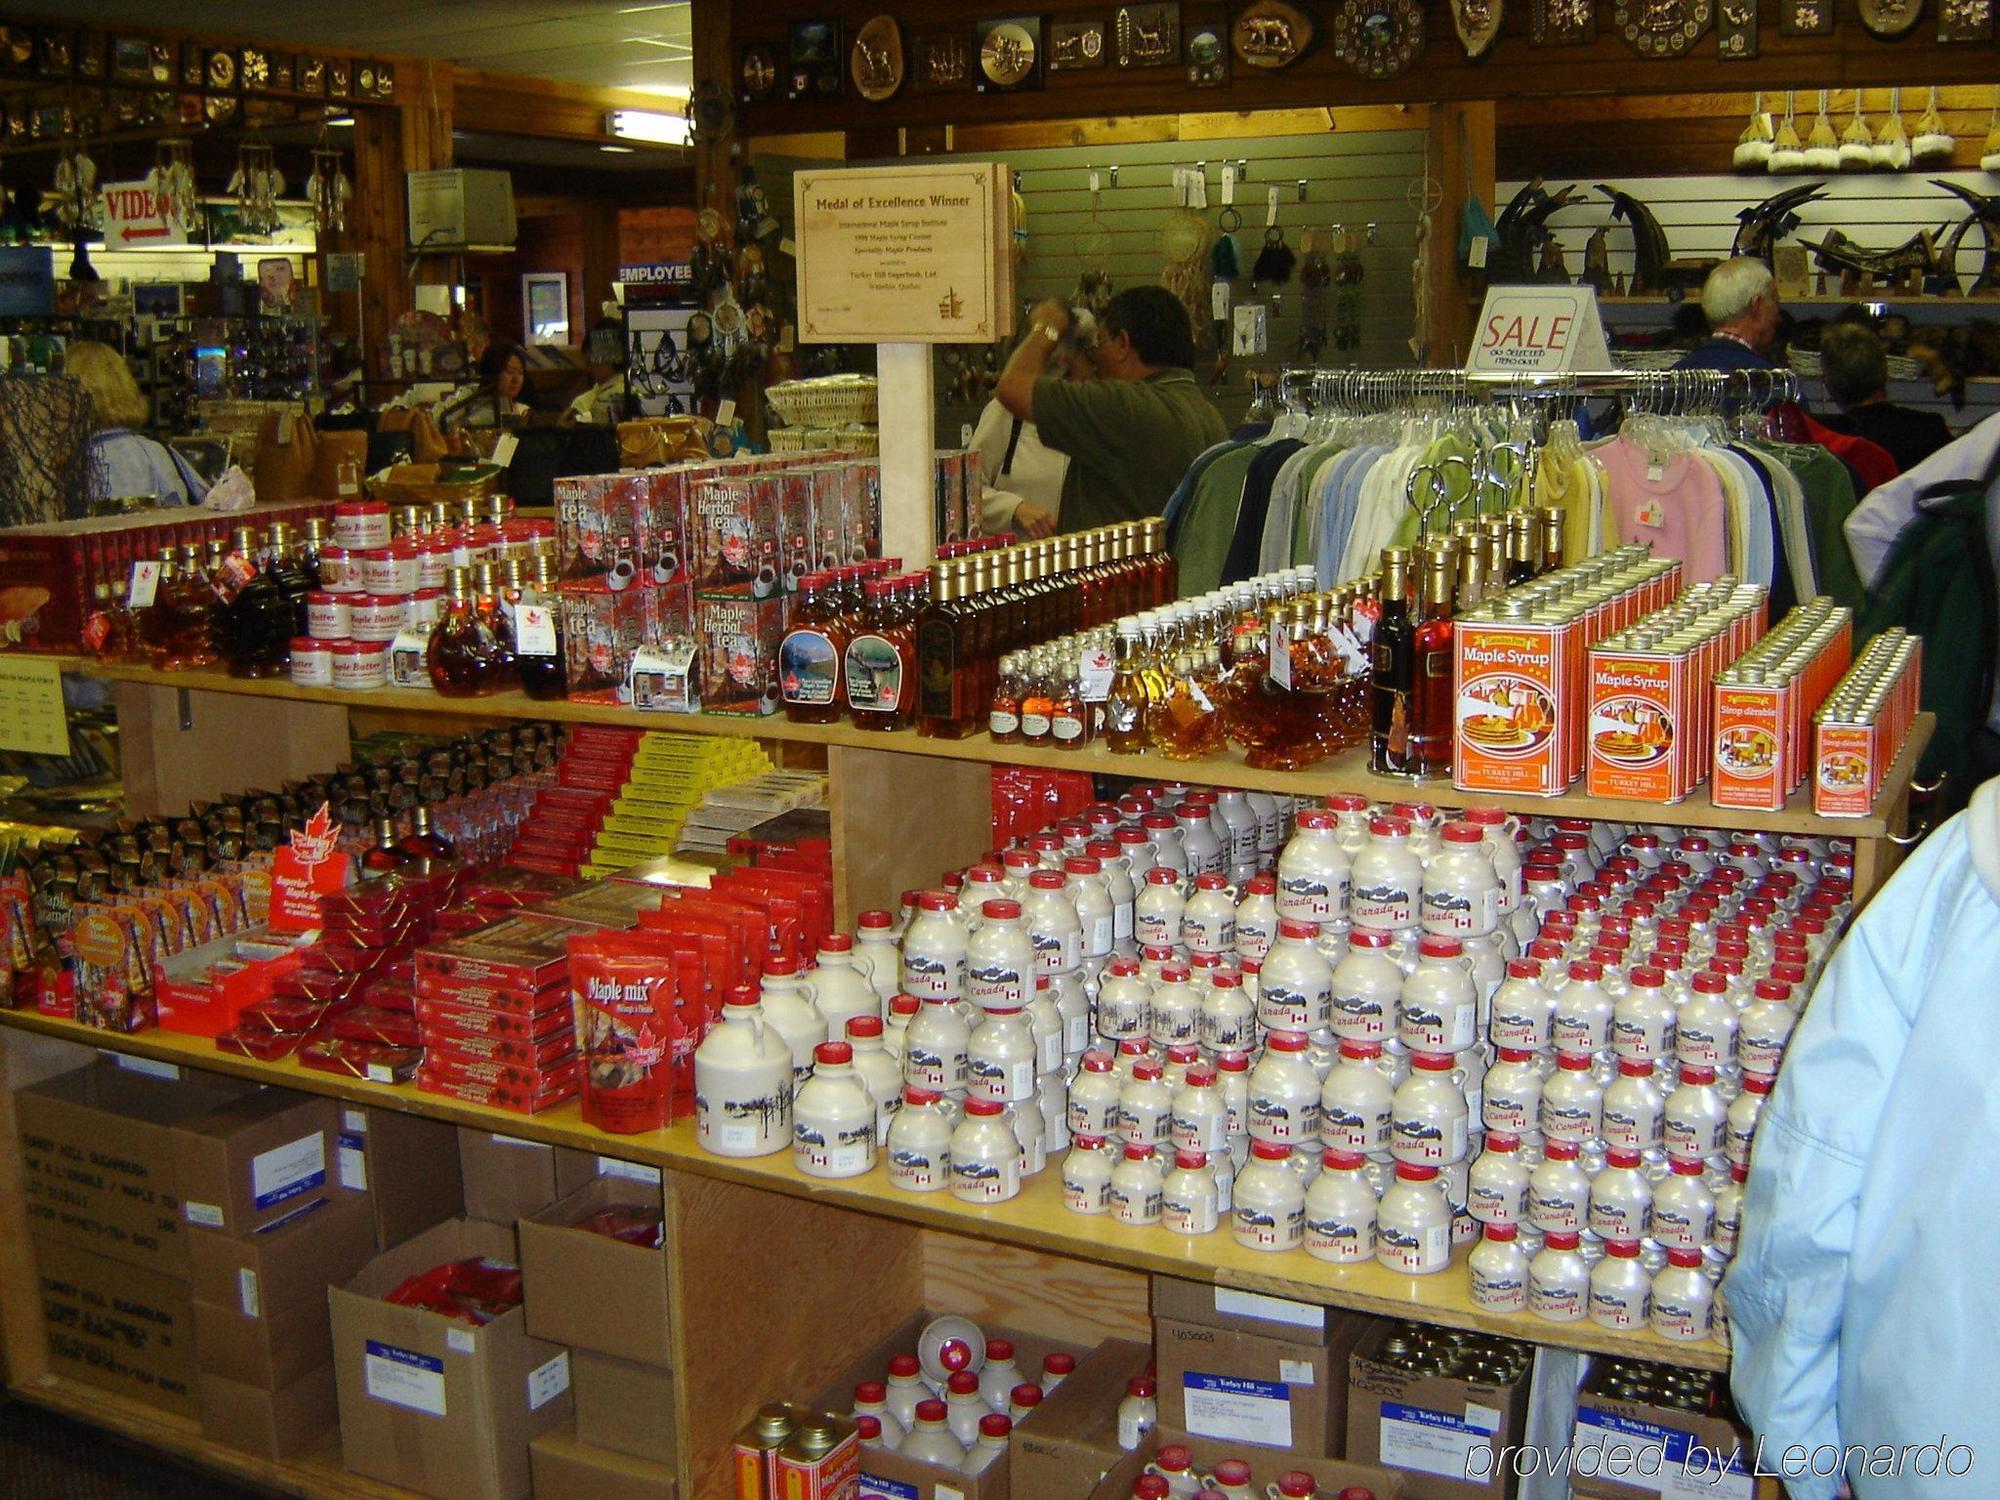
x=1539, y=330
x=136, y=214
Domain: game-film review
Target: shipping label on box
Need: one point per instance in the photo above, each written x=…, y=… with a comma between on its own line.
x=1243, y=1411
x=1666, y=1461
x=1435, y=1442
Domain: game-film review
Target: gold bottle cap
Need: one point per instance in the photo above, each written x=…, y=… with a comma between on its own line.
x=775, y=1423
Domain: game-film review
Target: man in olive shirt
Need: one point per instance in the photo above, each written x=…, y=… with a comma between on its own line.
x=1130, y=433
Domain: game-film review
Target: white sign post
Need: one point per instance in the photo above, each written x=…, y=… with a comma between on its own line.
x=135, y=214
x=905, y=257
x=1539, y=330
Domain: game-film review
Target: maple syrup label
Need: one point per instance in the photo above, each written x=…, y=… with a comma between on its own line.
x=1002, y=721
x=1066, y=727
x=874, y=675
x=1035, y=726
x=1849, y=764
x=808, y=668
x=1385, y=906
x=534, y=630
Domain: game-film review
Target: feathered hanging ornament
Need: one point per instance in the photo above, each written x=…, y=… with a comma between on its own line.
x=1274, y=262
x=1892, y=142
x=328, y=190
x=173, y=183
x=1857, y=142
x=1753, y=147
x=1932, y=144
x=78, y=208
x=1787, y=155
x=1989, y=155
x=1223, y=264
x=1822, y=146
x=1315, y=276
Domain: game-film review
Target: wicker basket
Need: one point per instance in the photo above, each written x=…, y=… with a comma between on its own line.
x=831, y=401
x=421, y=484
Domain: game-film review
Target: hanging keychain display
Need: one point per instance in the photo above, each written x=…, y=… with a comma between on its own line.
x=1315, y=276
x=1275, y=260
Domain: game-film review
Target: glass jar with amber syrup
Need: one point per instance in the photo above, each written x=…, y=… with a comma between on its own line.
x=950, y=704
x=1185, y=724
x=463, y=652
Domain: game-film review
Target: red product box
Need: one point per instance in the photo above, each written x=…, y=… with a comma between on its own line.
x=735, y=521
x=265, y=1046
x=448, y=1067
x=391, y=994
x=550, y=866
x=442, y=1020
x=524, y=1053
x=286, y=1013
x=605, y=903
x=525, y=1101
x=522, y=954
x=367, y=1060
x=207, y=1002
x=368, y=1023
x=506, y=886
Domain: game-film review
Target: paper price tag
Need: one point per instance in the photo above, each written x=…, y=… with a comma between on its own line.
x=145, y=585
x=1094, y=676
x=1281, y=654
x=534, y=630
x=725, y=413
x=1219, y=298
x=1270, y=207
x=503, y=449
x=1228, y=184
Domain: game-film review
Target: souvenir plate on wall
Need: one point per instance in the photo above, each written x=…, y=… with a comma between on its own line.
x=1965, y=20
x=312, y=75
x=282, y=72
x=1147, y=36
x=813, y=61
x=1477, y=23
x=757, y=72
x=193, y=65
x=1664, y=28
x=364, y=80
x=132, y=61
x=1563, y=23
x=56, y=53
x=940, y=62
x=1272, y=34
x=1379, y=38
x=875, y=62
x=1207, y=51
x=219, y=71
x=339, y=78
x=1736, y=30
x=1075, y=45
x=1010, y=55
x=1890, y=17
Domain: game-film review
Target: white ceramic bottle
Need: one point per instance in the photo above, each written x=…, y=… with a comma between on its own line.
x=1257, y=918
x=1340, y=1211
x=1086, y=1175
x=1199, y=841
x=1208, y=919
x=1633, y=1109
x=871, y=1400
x=1388, y=880
x=1511, y=1100
x=919, y=1143
x=1315, y=870
x=1189, y=1201
x=1621, y=1198
x=1367, y=988
x=1413, y=1223
x=1000, y=959
x=1739, y=1128
x=1683, y=1303
x=896, y=1027
x=1642, y=1022
x=1461, y=888
x=1496, y=1188
x=1357, y=1101
x=1168, y=850
x=1138, y=1412
x=1764, y=1028
x=906, y=1391
x=1090, y=894
x=1145, y=1106
x=1438, y=1008
x=833, y=1117
x=1138, y=1183
x=878, y=957
x=1120, y=885
x=1621, y=1290
x=1572, y=1100
x=880, y=1074
x=1228, y=1016
x=1295, y=985
x=1428, y=1117
x=1284, y=1093
x=1175, y=1018
x=1559, y=1280
x=999, y=1375
x=1499, y=1271
x=1053, y=925
x=1000, y=1058
x=1093, y=1097
x=1558, y=1191
x=1046, y=1024
x=1695, y=1117
x=1232, y=1077
x=930, y=1439
x=964, y=1406
x=786, y=996
x=1705, y=1033
x=1240, y=854
x=1583, y=1010
x=934, y=949
x=743, y=1083
x=995, y=1430
x=1124, y=1002
x=1200, y=1120
x=1268, y=1203
x=985, y=1154
x=934, y=1046
x=1683, y=1215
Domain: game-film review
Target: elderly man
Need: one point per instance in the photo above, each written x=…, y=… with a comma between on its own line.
x=1856, y=372
x=1740, y=301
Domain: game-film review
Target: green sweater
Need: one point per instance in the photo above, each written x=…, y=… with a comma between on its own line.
x=1128, y=441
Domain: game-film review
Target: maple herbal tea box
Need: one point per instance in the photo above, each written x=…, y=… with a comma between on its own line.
x=736, y=524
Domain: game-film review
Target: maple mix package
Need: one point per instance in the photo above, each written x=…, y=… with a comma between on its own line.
x=631, y=1032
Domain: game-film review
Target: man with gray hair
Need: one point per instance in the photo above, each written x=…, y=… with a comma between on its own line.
x=1740, y=301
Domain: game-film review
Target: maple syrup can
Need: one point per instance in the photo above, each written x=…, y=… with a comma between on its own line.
x=1508, y=706
x=1639, y=708
x=327, y=615
x=377, y=617
x=312, y=661
x=1750, y=765
x=339, y=573
x=361, y=523
x=360, y=664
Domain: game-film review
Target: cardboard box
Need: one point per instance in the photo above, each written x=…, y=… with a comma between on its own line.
x=507, y=1178
x=569, y=1469
x=591, y=1291
x=1614, y=1435
x=1428, y=1425
x=407, y=1165
x=272, y=1424
x=256, y=1159
x=1253, y=1370
x=97, y=1153
x=268, y=1352
x=118, y=1326
x=625, y=1407
x=1071, y=1441
x=1333, y=1475
x=429, y=1403
x=288, y=1265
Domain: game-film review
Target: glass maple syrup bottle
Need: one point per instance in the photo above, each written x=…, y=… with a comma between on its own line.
x=541, y=655
x=496, y=625
x=196, y=610
x=946, y=697
x=1393, y=674
x=1003, y=715
x=1431, y=695
x=1185, y=724
x=880, y=663
x=1127, y=700
x=812, y=657
x=1549, y=520
x=459, y=656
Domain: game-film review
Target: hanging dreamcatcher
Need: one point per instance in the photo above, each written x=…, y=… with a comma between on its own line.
x=78, y=208
x=1184, y=269
x=173, y=184
x=1315, y=276
x=328, y=191
x=256, y=185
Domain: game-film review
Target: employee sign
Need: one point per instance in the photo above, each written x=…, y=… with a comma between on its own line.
x=1539, y=330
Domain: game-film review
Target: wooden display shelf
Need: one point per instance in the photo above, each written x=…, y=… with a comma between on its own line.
x=1344, y=772
x=317, y=1475
x=1035, y=1221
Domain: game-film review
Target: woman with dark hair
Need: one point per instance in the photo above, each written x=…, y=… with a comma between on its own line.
x=501, y=394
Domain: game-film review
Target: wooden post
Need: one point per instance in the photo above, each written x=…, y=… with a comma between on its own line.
x=908, y=403
x=1458, y=158
x=388, y=143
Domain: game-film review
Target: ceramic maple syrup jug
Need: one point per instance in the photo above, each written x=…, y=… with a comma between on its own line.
x=743, y=1083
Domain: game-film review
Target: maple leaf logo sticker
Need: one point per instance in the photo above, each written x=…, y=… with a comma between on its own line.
x=313, y=844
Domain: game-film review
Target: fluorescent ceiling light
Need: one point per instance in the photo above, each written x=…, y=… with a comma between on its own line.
x=678, y=92
x=616, y=150
x=656, y=127
x=637, y=10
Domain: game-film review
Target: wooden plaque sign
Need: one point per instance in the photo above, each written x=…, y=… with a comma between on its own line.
x=905, y=255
